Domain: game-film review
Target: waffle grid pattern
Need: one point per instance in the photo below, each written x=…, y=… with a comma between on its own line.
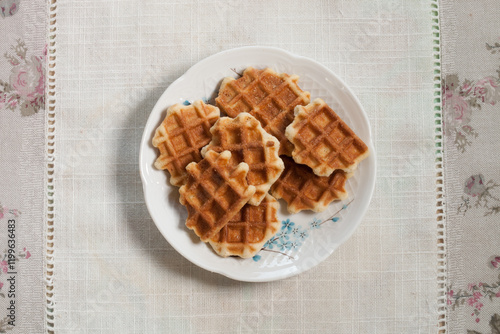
x=214, y=192
x=323, y=141
x=248, y=230
x=304, y=190
x=267, y=95
x=247, y=141
x=180, y=137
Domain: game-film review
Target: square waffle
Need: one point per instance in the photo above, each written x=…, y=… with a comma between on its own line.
x=246, y=232
x=323, y=141
x=304, y=190
x=214, y=192
x=247, y=141
x=268, y=96
x=181, y=135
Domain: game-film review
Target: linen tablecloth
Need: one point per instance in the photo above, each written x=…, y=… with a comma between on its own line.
x=470, y=34
x=113, y=269
x=23, y=167
x=78, y=80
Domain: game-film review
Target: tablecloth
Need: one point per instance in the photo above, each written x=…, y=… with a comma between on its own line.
x=23, y=167
x=470, y=93
x=113, y=269
x=78, y=81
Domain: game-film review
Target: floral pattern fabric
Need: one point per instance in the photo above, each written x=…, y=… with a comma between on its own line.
x=23, y=61
x=470, y=37
x=25, y=89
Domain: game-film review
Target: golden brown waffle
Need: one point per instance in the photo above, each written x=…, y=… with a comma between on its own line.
x=181, y=135
x=304, y=190
x=247, y=141
x=268, y=96
x=214, y=192
x=248, y=230
x=323, y=141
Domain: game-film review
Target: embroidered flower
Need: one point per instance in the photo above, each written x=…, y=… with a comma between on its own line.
x=471, y=301
x=475, y=185
x=457, y=111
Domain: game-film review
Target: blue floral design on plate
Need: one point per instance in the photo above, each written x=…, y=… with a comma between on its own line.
x=291, y=235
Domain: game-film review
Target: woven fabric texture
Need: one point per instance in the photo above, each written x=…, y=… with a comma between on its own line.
x=114, y=270
x=22, y=165
x=471, y=95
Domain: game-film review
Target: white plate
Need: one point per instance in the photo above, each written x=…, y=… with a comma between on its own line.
x=306, y=238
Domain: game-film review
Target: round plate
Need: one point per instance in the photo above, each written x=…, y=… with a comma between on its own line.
x=305, y=238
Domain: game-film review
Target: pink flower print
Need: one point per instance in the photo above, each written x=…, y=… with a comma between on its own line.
x=3, y=100
x=457, y=111
x=28, y=79
x=9, y=7
x=497, y=294
x=494, y=264
x=28, y=254
x=470, y=286
x=471, y=301
x=450, y=293
x=466, y=87
x=487, y=90
x=474, y=185
x=3, y=265
x=479, y=306
x=477, y=295
x=1, y=285
x=477, y=319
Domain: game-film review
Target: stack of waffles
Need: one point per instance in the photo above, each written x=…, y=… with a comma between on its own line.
x=273, y=144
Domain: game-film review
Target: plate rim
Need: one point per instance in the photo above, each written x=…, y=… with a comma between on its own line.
x=368, y=141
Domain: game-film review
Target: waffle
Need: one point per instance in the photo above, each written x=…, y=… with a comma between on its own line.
x=323, y=141
x=247, y=141
x=304, y=190
x=180, y=137
x=268, y=96
x=248, y=230
x=214, y=192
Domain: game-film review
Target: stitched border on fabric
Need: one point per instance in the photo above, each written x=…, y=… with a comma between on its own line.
x=50, y=132
x=438, y=138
